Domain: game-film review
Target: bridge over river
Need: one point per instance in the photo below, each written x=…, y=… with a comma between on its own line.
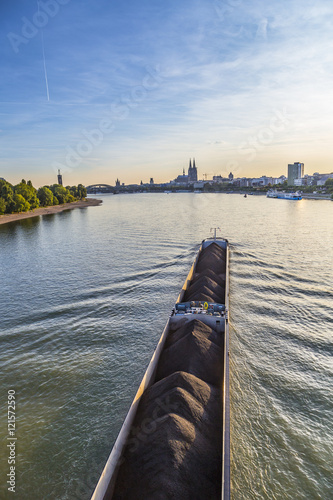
x=100, y=188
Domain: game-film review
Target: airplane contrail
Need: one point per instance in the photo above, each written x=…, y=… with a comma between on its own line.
x=45, y=72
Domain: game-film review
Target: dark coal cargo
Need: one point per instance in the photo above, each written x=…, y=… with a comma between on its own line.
x=182, y=454
x=176, y=445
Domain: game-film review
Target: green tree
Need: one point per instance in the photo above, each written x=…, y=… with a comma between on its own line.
x=73, y=191
x=329, y=185
x=61, y=193
x=2, y=206
x=24, y=196
x=70, y=198
x=20, y=203
x=28, y=192
x=81, y=192
x=208, y=188
x=7, y=193
x=45, y=196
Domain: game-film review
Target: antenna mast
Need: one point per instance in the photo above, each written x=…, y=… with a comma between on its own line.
x=214, y=229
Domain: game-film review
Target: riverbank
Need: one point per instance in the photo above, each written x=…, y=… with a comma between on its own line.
x=310, y=196
x=55, y=209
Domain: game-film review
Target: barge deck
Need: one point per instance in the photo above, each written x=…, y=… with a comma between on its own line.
x=175, y=440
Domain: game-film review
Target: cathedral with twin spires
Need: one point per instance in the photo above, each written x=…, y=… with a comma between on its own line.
x=192, y=175
x=192, y=172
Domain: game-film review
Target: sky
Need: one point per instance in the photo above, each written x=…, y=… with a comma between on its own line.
x=131, y=90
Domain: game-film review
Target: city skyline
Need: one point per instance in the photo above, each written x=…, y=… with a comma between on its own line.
x=132, y=91
x=202, y=177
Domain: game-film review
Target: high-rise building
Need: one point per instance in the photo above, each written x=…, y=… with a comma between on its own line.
x=59, y=178
x=295, y=171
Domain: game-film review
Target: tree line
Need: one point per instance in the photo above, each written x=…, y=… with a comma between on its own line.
x=24, y=196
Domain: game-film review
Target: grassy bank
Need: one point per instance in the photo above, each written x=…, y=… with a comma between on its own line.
x=89, y=202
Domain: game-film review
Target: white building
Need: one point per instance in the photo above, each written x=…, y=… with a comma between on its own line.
x=262, y=181
x=219, y=178
x=280, y=180
x=323, y=179
x=295, y=171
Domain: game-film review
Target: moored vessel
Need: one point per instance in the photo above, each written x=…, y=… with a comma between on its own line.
x=175, y=440
x=284, y=196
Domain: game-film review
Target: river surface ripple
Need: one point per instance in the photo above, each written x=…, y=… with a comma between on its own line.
x=85, y=296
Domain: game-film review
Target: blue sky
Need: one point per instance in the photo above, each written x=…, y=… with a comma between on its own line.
x=109, y=89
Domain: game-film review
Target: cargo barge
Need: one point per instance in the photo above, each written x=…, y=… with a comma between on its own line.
x=175, y=440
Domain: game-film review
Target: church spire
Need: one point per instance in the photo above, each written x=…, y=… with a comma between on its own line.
x=192, y=172
x=190, y=164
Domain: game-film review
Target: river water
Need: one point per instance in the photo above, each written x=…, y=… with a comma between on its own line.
x=85, y=295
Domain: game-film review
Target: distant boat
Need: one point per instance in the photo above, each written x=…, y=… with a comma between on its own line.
x=284, y=196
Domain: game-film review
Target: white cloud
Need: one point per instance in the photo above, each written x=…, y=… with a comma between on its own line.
x=224, y=75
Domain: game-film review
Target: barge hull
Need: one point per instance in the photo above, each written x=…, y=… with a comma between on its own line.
x=213, y=316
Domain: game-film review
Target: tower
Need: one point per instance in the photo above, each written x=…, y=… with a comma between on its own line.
x=295, y=171
x=59, y=178
x=195, y=171
x=192, y=172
